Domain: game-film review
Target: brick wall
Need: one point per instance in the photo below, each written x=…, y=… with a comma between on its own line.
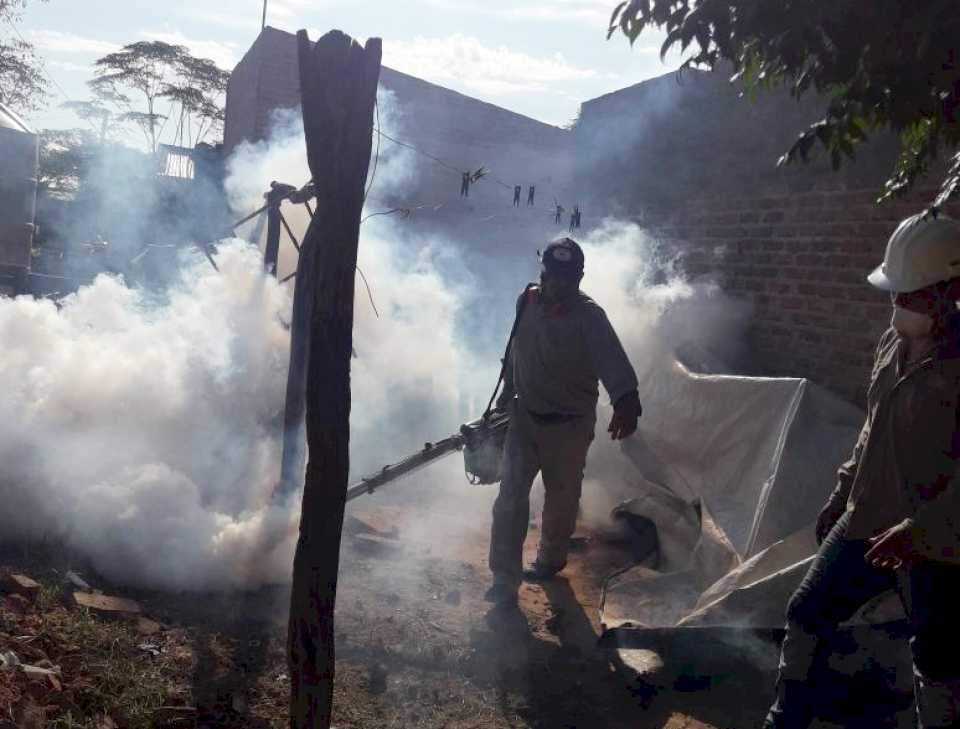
x=801, y=260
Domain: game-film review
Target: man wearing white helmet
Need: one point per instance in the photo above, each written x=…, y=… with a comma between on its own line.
x=893, y=521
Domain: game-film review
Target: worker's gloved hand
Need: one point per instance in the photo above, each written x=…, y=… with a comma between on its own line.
x=626, y=412
x=829, y=516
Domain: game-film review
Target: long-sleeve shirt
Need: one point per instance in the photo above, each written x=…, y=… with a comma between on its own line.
x=560, y=353
x=904, y=465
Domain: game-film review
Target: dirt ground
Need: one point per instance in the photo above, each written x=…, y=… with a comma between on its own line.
x=416, y=646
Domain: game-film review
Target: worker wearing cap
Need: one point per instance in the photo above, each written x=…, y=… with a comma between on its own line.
x=563, y=347
x=893, y=521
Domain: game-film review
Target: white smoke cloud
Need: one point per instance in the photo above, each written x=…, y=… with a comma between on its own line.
x=145, y=432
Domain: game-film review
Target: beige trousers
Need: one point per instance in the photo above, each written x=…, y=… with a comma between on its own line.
x=559, y=452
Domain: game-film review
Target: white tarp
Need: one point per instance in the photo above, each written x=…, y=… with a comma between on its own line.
x=733, y=470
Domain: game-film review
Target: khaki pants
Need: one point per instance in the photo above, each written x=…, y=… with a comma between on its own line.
x=559, y=452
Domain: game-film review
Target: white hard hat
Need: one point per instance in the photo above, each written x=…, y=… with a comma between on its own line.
x=923, y=250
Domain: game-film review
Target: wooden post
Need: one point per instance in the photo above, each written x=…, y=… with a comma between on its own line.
x=271, y=252
x=338, y=85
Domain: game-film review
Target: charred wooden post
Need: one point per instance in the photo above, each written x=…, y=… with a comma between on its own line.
x=338, y=84
x=271, y=252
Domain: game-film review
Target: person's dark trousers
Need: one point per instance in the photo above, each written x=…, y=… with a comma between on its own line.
x=932, y=606
x=838, y=583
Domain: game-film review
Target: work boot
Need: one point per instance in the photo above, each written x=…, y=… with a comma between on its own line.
x=502, y=594
x=542, y=572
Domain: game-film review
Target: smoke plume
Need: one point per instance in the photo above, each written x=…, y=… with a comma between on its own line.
x=143, y=429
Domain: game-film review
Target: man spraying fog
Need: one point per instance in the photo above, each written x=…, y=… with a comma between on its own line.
x=563, y=347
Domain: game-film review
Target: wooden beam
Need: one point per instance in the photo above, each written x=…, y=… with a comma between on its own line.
x=338, y=86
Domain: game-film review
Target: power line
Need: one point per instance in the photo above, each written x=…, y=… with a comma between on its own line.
x=439, y=161
x=418, y=151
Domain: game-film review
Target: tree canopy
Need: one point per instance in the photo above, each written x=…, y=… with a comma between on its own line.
x=880, y=65
x=152, y=84
x=22, y=81
x=65, y=156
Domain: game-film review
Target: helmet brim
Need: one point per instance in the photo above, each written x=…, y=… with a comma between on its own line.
x=878, y=279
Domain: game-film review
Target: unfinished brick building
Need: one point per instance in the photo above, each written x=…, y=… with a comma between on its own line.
x=687, y=158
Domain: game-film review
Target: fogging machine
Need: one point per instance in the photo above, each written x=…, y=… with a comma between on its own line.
x=481, y=440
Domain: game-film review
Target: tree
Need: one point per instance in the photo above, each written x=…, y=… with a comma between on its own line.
x=22, y=81
x=65, y=156
x=199, y=93
x=97, y=114
x=151, y=82
x=883, y=65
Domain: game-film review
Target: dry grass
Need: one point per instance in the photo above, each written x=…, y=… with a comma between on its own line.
x=104, y=671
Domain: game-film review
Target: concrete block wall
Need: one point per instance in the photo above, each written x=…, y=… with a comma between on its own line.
x=801, y=260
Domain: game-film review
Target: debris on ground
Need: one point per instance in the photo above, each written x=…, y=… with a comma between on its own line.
x=373, y=545
x=175, y=717
x=20, y=585
x=413, y=651
x=106, y=604
x=77, y=581
x=17, y=604
x=152, y=648
x=147, y=627
x=679, y=721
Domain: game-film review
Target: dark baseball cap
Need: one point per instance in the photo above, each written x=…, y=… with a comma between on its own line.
x=563, y=256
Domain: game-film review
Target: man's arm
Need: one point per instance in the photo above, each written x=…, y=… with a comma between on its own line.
x=614, y=370
x=610, y=361
x=837, y=502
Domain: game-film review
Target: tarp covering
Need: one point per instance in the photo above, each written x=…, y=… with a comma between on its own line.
x=733, y=471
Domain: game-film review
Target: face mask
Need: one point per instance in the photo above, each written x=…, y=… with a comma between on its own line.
x=910, y=324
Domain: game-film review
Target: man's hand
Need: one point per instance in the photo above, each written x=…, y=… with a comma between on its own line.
x=894, y=548
x=828, y=518
x=626, y=412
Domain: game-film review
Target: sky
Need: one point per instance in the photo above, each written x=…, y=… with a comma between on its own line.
x=541, y=58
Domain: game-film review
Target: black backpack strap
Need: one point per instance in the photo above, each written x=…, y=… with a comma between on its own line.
x=506, y=353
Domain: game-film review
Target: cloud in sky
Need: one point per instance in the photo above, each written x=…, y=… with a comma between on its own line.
x=593, y=12
x=247, y=21
x=54, y=41
x=71, y=67
x=224, y=54
x=467, y=62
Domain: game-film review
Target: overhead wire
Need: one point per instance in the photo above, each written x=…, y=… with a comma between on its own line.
x=376, y=157
x=438, y=160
